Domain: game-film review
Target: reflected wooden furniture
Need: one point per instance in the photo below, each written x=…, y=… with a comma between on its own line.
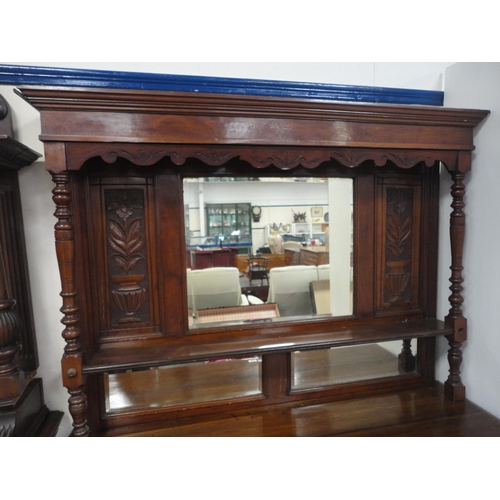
x=22, y=408
x=314, y=256
x=275, y=260
x=241, y=313
x=292, y=257
x=218, y=257
x=320, y=296
x=118, y=158
x=258, y=269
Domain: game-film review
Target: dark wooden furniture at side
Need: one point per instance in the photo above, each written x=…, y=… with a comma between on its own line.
x=118, y=159
x=22, y=408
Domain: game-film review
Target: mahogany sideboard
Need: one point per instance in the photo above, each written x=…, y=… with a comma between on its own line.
x=118, y=159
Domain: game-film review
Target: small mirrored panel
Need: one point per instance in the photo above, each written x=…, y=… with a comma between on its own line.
x=268, y=249
x=342, y=365
x=175, y=385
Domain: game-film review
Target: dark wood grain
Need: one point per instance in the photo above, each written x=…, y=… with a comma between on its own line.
x=205, y=349
x=413, y=412
x=105, y=140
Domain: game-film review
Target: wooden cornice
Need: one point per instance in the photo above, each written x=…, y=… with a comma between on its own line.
x=144, y=126
x=14, y=155
x=206, y=104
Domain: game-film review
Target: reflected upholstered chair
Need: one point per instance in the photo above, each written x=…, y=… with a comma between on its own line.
x=324, y=272
x=292, y=245
x=214, y=287
x=289, y=289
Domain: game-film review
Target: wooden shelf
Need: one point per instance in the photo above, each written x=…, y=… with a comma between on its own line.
x=175, y=352
x=416, y=412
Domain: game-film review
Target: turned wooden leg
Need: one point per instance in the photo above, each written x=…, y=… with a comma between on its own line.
x=454, y=388
x=78, y=409
x=406, y=358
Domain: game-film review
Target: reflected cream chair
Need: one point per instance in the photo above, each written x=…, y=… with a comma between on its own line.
x=215, y=287
x=324, y=272
x=189, y=289
x=292, y=245
x=289, y=289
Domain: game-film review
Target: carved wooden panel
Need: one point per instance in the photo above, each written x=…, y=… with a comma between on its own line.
x=399, y=213
x=127, y=264
x=124, y=275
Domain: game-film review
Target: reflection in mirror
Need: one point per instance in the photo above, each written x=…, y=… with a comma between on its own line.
x=183, y=384
x=341, y=365
x=268, y=249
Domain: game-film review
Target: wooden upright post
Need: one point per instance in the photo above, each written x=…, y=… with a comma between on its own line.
x=454, y=388
x=72, y=373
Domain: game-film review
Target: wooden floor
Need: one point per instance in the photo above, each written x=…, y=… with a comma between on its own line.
x=422, y=412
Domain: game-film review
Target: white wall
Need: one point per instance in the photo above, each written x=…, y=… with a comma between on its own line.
x=36, y=184
x=475, y=85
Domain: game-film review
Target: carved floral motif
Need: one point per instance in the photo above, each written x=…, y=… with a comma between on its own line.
x=398, y=225
x=398, y=240
x=126, y=239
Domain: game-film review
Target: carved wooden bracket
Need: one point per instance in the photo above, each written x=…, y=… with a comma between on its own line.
x=284, y=158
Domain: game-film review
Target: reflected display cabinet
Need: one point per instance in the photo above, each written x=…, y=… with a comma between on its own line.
x=224, y=219
x=133, y=357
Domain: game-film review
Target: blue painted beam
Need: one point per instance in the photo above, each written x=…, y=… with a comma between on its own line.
x=38, y=75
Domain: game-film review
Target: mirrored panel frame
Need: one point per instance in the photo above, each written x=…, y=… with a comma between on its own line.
x=355, y=363
x=268, y=249
x=172, y=386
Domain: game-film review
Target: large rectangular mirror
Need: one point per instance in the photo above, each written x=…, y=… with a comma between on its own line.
x=268, y=249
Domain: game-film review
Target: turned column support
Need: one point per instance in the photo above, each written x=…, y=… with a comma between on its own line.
x=10, y=326
x=72, y=372
x=407, y=361
x=454, y=388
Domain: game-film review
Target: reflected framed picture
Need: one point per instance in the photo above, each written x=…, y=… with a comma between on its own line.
x=317, y=212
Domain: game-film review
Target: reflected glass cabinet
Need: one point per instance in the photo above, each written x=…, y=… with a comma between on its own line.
x=118, y=159
x=229, y=222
